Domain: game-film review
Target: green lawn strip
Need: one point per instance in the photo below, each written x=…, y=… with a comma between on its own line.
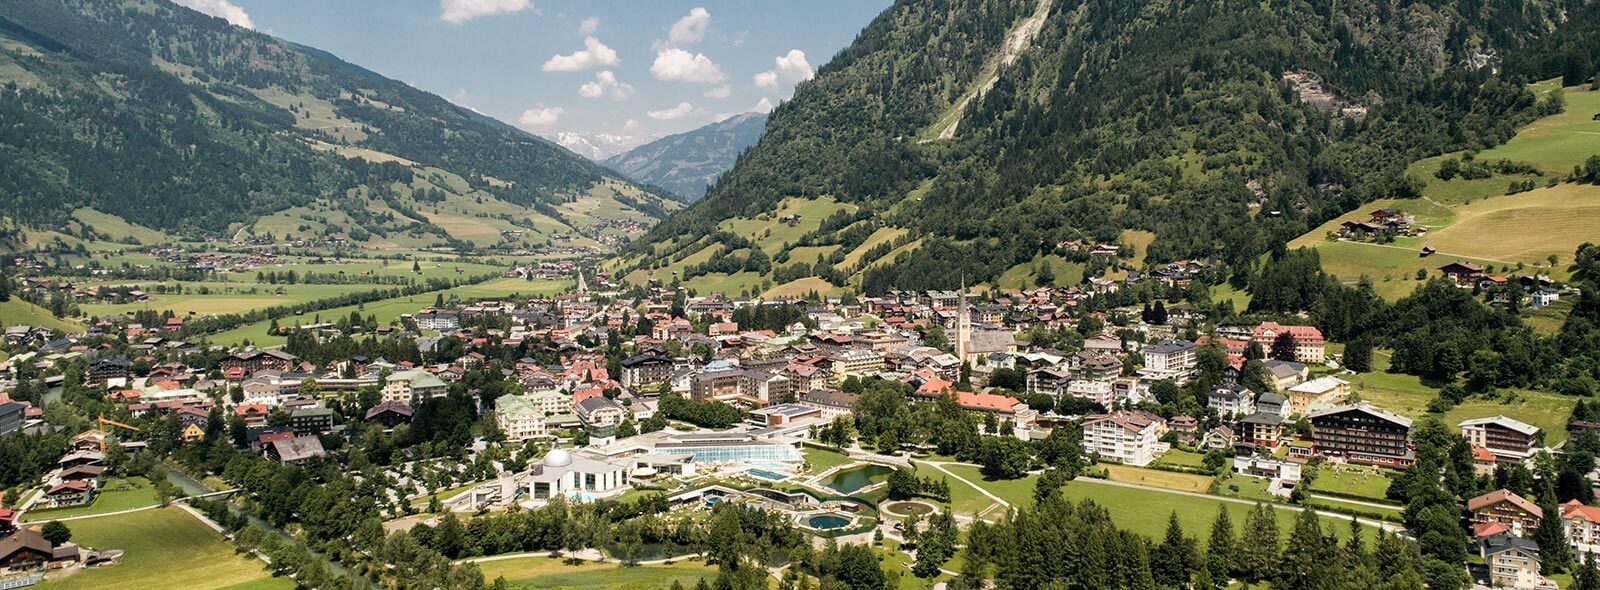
x=115, y=495
x=165, y=548
x=822, y=460
x=1339, y=505
x=555, y=574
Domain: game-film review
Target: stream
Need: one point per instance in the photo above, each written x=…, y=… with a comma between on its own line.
x=191, y=487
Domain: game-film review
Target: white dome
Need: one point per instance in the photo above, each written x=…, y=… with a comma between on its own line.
x=558, y=458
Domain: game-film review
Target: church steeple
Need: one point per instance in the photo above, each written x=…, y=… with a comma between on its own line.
x=963, y=323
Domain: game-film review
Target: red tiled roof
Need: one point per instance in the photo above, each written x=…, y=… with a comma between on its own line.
x=1489, y=529
x=1498, y=496
x=1575, y=509
x=986, y=401
x=1482, y=454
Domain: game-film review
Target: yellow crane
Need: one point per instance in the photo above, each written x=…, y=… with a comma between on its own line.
x=106, y=433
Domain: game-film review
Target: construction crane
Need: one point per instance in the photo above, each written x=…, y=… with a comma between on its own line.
x=105, y=433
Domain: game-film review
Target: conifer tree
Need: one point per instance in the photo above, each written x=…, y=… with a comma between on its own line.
x=1222, y=551
x=1258, y=550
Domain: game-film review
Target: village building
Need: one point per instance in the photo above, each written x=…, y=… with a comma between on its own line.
x=1362, y=433
x=1125, y=436
x=1508, y=439
x=1308, y=345
x=1520, y=515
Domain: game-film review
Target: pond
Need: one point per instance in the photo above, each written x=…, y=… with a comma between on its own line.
x=847, y=482
x=827, y=521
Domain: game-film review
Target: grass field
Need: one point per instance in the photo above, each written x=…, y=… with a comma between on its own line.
x=1141, y=511
x=1184, y=482
x=116, y=228
x=115, y=495
x=1358, y=482
x=1181, y=458
x=1023, y=276
x=388, y=310
x=770, y=233
x=1409, y=396
x=822, y=460
x=800, y=288
x=17, y=312
x=884, y=235
x=554, y=574
x=734, y=284
x=165, y=548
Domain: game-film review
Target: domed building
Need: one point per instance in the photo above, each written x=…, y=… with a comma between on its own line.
x=574, y=475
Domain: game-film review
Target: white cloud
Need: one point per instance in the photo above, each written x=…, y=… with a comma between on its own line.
x=541, y=116
x=460, y=11
x=224, y=9
x=630, y=125
x=680, y=65
x=739, y=37
x=763, y=106
x=791, y=68
x=605, y=84
x=691, y=28
x=589, y=25
x=593, y=55
x=677, y=112
x=722, y=91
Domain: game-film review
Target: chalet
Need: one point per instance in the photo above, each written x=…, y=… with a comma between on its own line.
x=256, y=360
x=24, y=549
x=1519, y=514
x=1362, y=433
x=390, y=413
x=1464, y=274
x=69, y=493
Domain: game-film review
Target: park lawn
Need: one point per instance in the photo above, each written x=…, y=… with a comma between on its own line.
x=822, y=460
x=1184, y=482
x=1358, y=482
x=964, y=499
x=1394, y=514
x=555, y=574
x=1146, y=511
x=116, y=495
x=225, y=298
x=1182, y=458
x=165, y=548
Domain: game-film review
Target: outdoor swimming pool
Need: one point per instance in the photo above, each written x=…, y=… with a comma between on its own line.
x=768, y=475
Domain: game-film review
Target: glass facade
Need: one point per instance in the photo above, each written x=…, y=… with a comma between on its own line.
x=738, y=453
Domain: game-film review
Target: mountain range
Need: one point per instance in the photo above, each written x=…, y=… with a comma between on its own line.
x=686, y=163
x=167, y=119
x=969, y=139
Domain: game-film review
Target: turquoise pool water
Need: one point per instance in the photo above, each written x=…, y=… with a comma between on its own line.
x=768, y=475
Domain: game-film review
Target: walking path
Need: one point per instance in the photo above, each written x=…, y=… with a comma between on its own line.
x=1344, y=500
x=584, y=555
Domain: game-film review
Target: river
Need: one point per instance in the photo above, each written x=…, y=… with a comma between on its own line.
x=191, y=487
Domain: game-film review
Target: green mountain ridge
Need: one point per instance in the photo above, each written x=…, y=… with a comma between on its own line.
x=177, y=121
x=1223, y=129
x=686, y=163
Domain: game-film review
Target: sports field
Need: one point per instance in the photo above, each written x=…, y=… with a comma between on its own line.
x=164, y=549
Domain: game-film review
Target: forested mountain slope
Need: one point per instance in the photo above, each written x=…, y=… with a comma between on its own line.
x=1219, y=128
x=174, y=120
x=686, y=163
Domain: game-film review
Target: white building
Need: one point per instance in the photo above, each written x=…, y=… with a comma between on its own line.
x=1171, y=357
x=1231, y=401
x=1128, y=437
x=520, y=417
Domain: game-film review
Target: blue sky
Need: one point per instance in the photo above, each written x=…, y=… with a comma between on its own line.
x=639, y=68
